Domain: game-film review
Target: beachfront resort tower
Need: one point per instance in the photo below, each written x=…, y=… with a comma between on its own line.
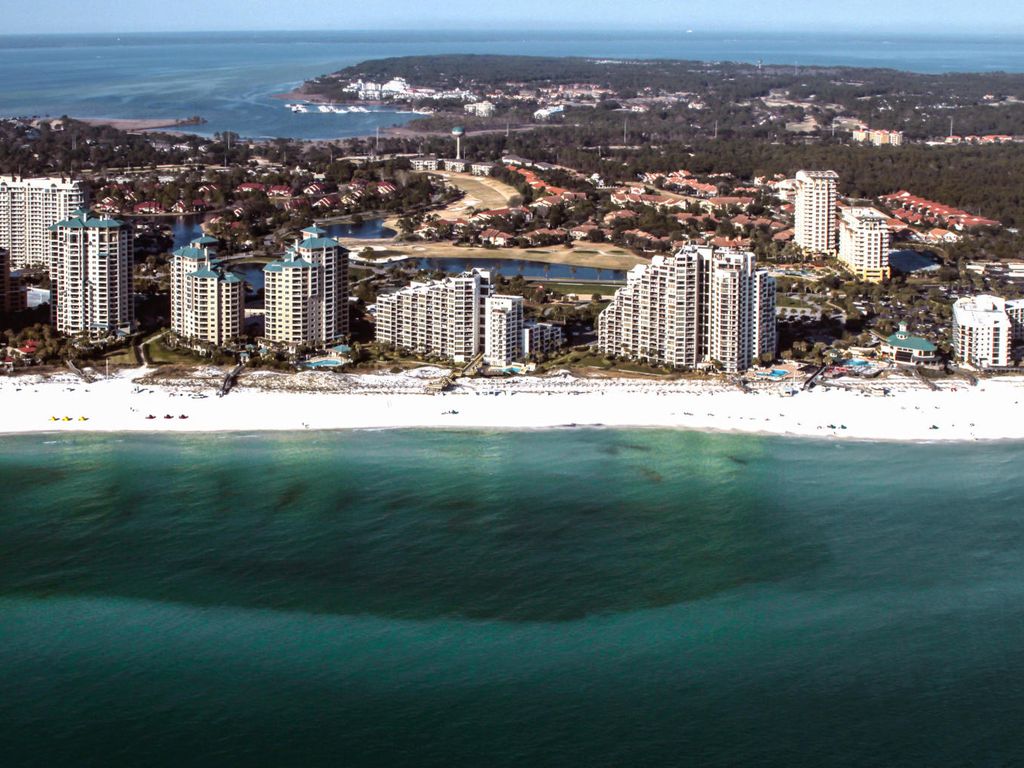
x=816, y=195
x=91, y=276
x=440, y=317
x=984, y=329
x=737, y=310
x=503, y=330
x=699, y=306
x=5, y=281
x=207, y=300
x=306, y=293
x=864, y=243
x=28, y=208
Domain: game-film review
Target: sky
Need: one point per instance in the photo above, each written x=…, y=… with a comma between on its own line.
x=884, y=16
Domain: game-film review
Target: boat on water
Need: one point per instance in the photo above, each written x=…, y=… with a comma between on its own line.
x=298, y=107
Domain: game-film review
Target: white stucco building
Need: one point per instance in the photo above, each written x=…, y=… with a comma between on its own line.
x=816, y=196
x=864, y=243
x=306, y=293
x=440, y=317
x=207, y=300
x=503, y=329
x=698, y=306
x=91, y=276
x=984, y=329
x=28, y=208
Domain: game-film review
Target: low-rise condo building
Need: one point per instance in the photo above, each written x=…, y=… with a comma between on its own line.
x=306, y=293
x=207, y=301
x=700, y=306
x=816, y=197
x=91, y=276
x=28, y=208
x=984, y=329
x=864, y=243
x=907, y=349
x=542, y=339
x=878, y=137
x=480, y=108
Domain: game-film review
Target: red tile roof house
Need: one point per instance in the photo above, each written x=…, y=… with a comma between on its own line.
x=626, y=215
x=149, y=207
x=583, y=231
x=495, y=237
x=727, y=202
x=731, y=242
x=545, y=204
x=28, y=349
x=545, y=236
x=316, y=188
x=251, y=186
x=327, y=202
x=280, y=190
x=296, y=203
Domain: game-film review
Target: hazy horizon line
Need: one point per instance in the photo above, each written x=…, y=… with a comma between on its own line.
x=934, y=33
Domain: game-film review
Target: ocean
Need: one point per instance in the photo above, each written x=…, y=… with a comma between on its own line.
x=230, y=78
x=551, y=598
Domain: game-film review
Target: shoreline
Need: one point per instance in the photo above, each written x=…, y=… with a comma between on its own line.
x=142, y=125
x=319, y=401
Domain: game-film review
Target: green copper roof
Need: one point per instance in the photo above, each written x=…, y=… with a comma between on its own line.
x=231, y=277
x=188, y=252
x=907, y=341
x=314, y=230
x=205, y=240
x=82, y=220
x=319, y=242
x=204, y=273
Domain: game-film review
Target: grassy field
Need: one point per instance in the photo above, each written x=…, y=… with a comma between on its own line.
x=583, y=289
x=125, y=357
x=598, y=258
x=162, y=355
x=482, y=192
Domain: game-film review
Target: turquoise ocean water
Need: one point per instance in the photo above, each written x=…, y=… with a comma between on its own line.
x=591, y=597
x=230, y=78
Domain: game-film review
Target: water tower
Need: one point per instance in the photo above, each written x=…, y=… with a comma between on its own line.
x=458, y=132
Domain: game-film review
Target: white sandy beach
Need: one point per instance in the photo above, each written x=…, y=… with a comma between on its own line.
x=324, y=400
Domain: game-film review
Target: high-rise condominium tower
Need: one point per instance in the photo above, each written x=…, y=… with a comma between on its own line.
x=816, y=194
x=91, y=275
x=28, y=208
x=700, y=305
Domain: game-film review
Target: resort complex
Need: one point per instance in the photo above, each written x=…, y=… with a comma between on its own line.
x=864, y=243
x=460, y=318
x=815, y=225
x=984, y=330
x=699, y=307
x=91, y=276
x=307, y=293
x=28, y=208
x=207, y=300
